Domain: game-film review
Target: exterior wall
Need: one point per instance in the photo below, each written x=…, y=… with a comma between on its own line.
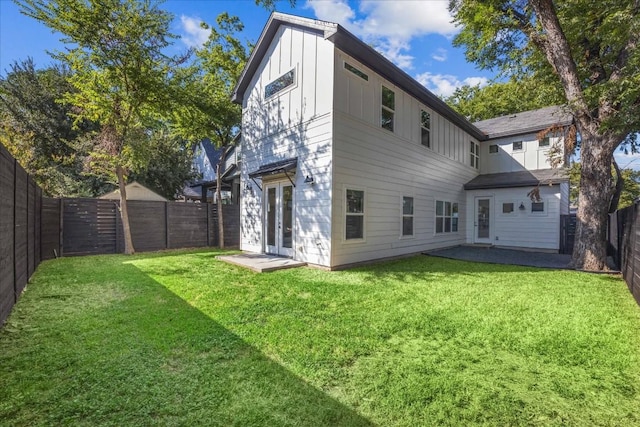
x=389, y=165
x=295, y=122
x=531, y=157
x=520, y=228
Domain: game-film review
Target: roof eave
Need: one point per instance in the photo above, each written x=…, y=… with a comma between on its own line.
x=525, y=131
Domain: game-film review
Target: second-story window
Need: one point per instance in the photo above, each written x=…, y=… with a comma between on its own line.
x=388, y=108
x=474, y=155
x=493, y=148
x=279, y=84
x=544, y=143
x=425, y=128
x=517, y=146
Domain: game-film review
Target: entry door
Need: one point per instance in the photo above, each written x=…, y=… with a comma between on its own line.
x=482, y=220
x=279, y=218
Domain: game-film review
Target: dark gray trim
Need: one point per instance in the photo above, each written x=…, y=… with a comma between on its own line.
x=517, y=179
x=283, y=166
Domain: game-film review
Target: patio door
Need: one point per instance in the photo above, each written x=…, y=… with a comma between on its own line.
x=482, y=220
x=278, y=212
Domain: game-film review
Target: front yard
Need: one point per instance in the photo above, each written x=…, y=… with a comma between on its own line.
x=178, y=338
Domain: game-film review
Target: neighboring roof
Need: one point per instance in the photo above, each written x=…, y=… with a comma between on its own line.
x=135, y=191
x=525, y=122
x=356, y=48
x=212, y=153
x=276, y=167
x=518, y=179
x=190, y=193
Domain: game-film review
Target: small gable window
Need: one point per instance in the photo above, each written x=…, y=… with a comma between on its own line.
x=493, y=148
x=517, y=145
x=355, y=71
x=280, y=84
x=425, y=128
x=388, y=108
x=544, y=143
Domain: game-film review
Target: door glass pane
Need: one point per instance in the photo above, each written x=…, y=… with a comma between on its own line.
x=483, y=218
x=271, y=217
x=287, y=216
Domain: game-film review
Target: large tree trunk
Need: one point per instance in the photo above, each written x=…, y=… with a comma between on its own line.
x=596, y=190
x=219, y=172
x=124, y=213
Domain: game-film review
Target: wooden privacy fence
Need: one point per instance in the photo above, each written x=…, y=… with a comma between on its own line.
x=93, y=226
x=624, y=246
x=20, y=203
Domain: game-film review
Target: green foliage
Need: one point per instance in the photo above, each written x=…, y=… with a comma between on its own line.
x=37, y=129
x=207, y=110
x=120, y=71
x=179, y=338
x=501, y=99
x=506, y=35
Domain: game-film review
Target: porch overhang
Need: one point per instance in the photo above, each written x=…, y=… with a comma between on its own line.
x=518, y=179
x=282, y=166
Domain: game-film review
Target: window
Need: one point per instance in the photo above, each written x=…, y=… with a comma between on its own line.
x=507, y=208
x=493, y=148
x=354, y=228
x=407, y=216
x=388, y=108
x=544, y=143
x=475, y=158
x=537, y=206
x=446, y=217
x=425, y=128
x=355, y=71
x=279, y=84
x=517, y=145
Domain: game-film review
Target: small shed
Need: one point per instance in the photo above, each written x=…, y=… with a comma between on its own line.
x=135, y=191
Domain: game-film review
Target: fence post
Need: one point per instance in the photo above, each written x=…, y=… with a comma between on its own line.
x=166, y=224
x=61, y=223
x=15, y=211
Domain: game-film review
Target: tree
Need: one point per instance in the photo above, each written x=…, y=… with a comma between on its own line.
x=629, y=193
x=592, y=52
x=121, y=74
x=208, y=112
x=38, y=130
x=500, y=99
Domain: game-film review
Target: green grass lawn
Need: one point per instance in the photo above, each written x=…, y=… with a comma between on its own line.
x=178, y=338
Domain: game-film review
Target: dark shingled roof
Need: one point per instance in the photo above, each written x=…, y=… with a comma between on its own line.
x=525, y=122
x=213, y=153
x=518, y=179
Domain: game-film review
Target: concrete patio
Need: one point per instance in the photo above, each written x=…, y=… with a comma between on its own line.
x=261, y=263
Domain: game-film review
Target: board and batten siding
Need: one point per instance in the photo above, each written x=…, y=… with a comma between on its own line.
x=531, y=157
x=520, y=228
x=389, y=165
x=295, y=122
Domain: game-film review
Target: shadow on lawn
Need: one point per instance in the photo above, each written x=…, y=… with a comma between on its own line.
x=143, y=355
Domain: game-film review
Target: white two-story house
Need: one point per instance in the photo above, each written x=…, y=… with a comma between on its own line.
x=348, y=159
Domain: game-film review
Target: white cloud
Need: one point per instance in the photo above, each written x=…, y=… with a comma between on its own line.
x=445, y=84
x=440, y=55
x=389, y=25
x=194, y=35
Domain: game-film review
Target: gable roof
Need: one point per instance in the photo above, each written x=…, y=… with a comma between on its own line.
x=135, y=191
x=356, y=48
x=526, y=178
x=525, y=122
x=212, y=153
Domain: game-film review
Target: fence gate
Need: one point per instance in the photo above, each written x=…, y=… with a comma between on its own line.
x=567, y=233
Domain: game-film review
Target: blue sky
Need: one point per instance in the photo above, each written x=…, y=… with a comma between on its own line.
x=416, y=35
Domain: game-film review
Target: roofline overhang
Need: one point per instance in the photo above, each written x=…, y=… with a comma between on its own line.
x=525, y=131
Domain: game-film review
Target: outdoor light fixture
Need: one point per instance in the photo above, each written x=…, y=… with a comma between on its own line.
x=522, y=206
x=309, y=180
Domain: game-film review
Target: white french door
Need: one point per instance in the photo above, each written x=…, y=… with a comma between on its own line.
x=278, y=218
x=482, y=220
